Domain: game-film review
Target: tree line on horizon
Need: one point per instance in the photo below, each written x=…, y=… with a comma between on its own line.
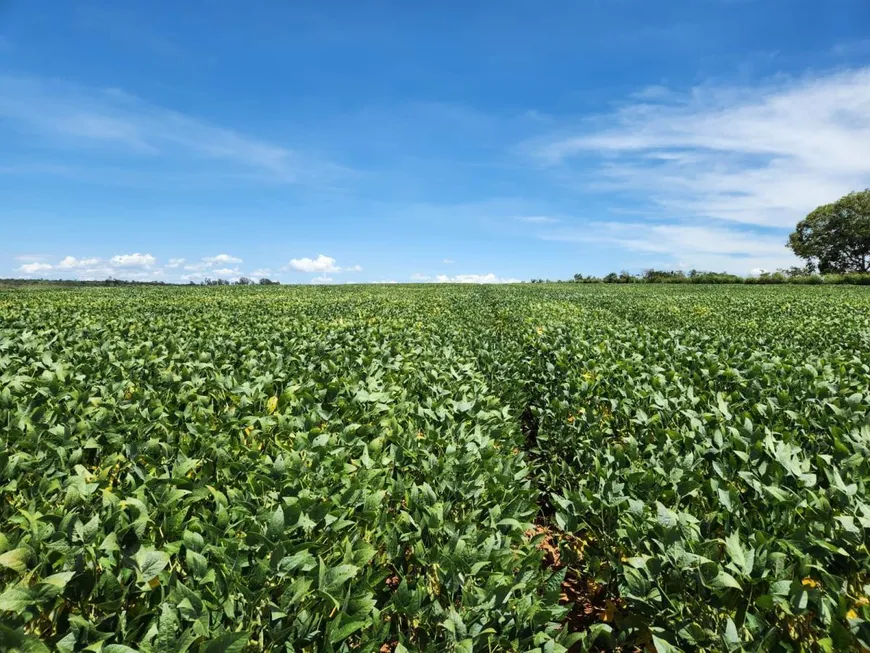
x=111, y=281
x=794, y=275
x=833, y=239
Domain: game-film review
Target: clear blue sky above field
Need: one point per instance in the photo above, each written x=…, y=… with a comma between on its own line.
x=362, y=141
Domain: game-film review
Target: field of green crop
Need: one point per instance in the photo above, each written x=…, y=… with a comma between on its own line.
x=435, y=468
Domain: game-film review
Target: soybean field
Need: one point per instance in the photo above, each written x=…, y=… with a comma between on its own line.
x=435, y=468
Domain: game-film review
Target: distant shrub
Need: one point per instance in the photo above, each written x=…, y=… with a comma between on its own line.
x=808, y=279
x=800, y=276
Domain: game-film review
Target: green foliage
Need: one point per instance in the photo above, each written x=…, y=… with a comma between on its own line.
x=711, y=446
x=334, y=469
x=803, y=276
x=836, y=236
x=216, y=469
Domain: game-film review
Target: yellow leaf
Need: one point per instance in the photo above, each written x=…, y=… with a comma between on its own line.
x=272, y=404
x=809, y=582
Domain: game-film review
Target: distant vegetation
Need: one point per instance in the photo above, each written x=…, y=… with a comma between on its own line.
x=834, y=240
x=792, y=275
x=243, y=281
x=836, y=237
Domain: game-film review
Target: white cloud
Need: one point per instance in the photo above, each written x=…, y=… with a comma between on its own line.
x=353, y=268
x=762, y=155
x=538, y=219
x=321, y=279
x=718, y=249
x=320, y=264
x=74, y=114
x=448, y=261
x=221, y=259
x=207, y=262
x=27, y=258
x=473, y=278
x=133, y=260
x=99, y=272
x=34, y=267
x=73, y=263
x=123, y=266
x=225, y=272
x=139, y=266
x=420, y=277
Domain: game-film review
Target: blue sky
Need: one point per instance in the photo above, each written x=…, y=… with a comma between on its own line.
x=395, y=141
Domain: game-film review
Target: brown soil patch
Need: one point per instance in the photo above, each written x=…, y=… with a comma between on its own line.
x=589, y=601
x=393, y=583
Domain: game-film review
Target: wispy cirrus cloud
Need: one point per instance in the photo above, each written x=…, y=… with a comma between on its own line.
x=538, y=219
x=226, y=272
x=31, y=257
x=82, y=119
x=762, y=155
x=133, y=260
x=221, y=258
x=719, y=248
x=206, y=262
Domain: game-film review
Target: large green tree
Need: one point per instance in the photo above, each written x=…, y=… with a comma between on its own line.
x=836, y=237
